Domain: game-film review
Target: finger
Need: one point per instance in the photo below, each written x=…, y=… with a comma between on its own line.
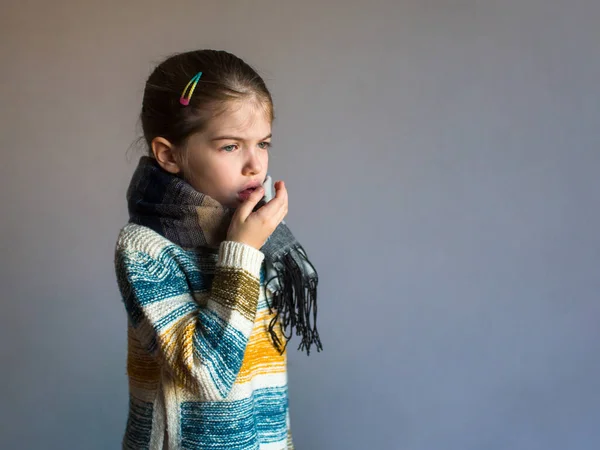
x=246, y=208
x=277, y=208
x=284, y=210
x=272, y=208
x=281, y=196
x=280, y=189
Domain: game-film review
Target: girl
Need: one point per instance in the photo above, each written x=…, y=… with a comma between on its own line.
x=212, y=279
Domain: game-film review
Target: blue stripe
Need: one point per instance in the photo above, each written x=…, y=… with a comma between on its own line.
x=139, y=425
x=199, y=268
x=221, y=348
x=173, y=273
x=271, y=414
x=237, y=425
x=151, y=281
x=174, y=315
x=144, y=280
x=262, y=304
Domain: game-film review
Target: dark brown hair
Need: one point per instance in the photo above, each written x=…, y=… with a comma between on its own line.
x=225, y=77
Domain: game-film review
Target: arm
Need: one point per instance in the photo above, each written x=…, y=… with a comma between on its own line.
x=201, y=346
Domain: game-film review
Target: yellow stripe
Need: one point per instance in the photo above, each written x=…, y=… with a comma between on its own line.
x=261, y=356
x=236, y=289
x=179, y=353
x=143, y=369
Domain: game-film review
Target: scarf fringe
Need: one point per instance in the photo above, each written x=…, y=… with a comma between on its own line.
x=295, y=305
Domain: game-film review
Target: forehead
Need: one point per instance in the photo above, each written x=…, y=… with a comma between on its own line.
x=248, y=119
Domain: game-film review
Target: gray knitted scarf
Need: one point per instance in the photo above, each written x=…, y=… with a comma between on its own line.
x=173, y=208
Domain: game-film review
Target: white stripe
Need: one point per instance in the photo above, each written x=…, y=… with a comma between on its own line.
x=274, y=445
x=262, y=381
x=155, y=311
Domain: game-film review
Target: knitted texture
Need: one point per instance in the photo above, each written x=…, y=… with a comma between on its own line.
x=169, y=205
x=203, y=372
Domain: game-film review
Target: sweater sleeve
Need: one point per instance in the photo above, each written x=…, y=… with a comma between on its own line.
x=202, y=344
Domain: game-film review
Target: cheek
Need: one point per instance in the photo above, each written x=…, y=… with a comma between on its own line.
x=200, y=173
x=204, y=165
x=216, y=176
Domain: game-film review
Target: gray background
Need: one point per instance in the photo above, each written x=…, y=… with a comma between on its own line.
x=443, y=164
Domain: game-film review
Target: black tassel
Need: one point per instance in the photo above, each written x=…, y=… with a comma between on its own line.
x=295, y=304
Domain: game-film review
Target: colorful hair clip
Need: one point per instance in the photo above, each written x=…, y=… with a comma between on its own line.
x=186, y=100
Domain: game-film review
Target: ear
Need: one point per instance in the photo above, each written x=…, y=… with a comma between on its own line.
x=164, y=153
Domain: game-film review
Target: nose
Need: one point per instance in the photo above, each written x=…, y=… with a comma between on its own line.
x=252, y=164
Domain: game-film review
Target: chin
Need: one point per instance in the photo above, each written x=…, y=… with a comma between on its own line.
x=235, y=203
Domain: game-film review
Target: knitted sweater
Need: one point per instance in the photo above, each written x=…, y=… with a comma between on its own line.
x=203, y=371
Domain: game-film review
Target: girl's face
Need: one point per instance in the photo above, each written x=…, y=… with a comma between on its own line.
x=231, y=155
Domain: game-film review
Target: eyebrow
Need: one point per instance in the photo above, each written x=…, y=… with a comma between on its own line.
x=235, y=138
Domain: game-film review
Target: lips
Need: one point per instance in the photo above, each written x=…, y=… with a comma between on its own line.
x=252, y=185
x=248, y=190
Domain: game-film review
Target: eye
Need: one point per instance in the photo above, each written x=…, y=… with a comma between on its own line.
x=264, y=145
x=229, y=148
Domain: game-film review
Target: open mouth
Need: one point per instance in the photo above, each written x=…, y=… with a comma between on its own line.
x=246, y=193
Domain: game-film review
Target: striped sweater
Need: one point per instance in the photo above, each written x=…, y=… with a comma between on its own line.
x=203, y=372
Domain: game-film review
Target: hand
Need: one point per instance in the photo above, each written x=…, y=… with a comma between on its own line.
x=254, y=228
